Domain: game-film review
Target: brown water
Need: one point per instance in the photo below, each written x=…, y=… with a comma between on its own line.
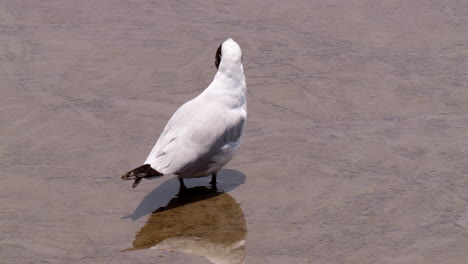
x=355, y=149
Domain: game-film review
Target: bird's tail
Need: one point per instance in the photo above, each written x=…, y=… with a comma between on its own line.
x=144, y=171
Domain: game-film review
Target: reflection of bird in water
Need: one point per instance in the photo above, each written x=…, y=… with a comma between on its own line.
x=200, y=221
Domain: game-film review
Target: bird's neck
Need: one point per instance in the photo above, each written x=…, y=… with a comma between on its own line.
x=229, y=84
x=232, y=76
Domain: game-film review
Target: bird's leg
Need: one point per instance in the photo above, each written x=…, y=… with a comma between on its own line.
x=182, y=185
x=213, y=181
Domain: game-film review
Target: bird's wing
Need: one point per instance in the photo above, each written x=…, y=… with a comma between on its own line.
x=196, y=129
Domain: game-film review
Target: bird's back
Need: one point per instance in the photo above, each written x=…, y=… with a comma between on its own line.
x=200, y=135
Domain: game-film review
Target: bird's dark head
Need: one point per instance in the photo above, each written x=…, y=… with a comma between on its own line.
x=218, y=56
x=229, y=50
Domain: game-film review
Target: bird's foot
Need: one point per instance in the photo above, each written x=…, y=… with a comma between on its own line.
x=182, y=185
x=213, y=181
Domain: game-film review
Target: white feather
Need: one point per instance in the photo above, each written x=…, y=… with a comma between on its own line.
x=205, y=132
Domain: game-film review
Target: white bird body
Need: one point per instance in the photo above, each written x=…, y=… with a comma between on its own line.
x=204, y=133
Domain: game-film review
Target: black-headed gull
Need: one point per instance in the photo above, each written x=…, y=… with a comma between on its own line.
x=204, y=133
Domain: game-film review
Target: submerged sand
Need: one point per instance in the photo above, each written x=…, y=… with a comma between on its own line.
x=355, y=149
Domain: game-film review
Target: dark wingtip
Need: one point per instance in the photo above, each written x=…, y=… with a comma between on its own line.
x=136, y=182
x=144, y=171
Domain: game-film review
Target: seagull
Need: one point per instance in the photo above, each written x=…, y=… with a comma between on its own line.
x=204, y=133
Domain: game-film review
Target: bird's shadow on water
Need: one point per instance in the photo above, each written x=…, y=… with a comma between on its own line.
x=227, y=180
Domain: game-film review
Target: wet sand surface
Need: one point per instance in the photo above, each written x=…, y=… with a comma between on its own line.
x=356, y=147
